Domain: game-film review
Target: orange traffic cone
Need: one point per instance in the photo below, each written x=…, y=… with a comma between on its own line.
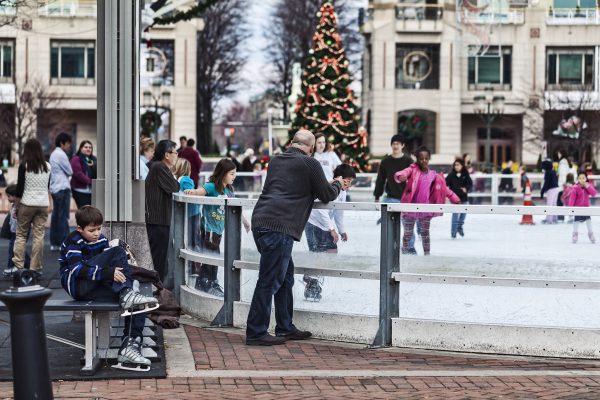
x=527, y=219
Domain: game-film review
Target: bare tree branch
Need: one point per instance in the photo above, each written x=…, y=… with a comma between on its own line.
x=219, y=62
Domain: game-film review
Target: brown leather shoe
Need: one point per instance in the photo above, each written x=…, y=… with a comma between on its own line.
x=266, y=340
x=297, y=335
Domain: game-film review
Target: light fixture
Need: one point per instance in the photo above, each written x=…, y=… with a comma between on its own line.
x=479, y=104
x=147, y=97
x=166, y=99
x=498, y=104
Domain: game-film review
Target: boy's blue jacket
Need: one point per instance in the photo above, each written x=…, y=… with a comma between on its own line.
x=74, y=254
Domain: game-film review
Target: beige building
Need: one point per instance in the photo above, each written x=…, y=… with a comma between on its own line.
x=52, y=46
x=427, y=64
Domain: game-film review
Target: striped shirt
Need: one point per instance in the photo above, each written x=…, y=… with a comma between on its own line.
x=74, y=254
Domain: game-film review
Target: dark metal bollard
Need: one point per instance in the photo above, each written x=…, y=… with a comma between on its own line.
x=31, y=372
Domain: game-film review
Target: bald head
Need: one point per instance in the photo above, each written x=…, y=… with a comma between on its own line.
x=304, y=140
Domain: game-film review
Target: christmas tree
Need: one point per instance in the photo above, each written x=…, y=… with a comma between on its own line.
x=326, y=104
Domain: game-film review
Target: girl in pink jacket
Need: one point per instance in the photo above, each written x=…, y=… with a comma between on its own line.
x=423, y=186
x=579, y=196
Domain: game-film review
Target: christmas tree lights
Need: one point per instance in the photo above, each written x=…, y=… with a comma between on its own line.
x=327, y=101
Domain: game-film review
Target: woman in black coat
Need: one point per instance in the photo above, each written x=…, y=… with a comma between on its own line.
x=459, y=181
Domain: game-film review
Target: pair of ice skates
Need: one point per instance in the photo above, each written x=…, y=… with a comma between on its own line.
x=132, y=302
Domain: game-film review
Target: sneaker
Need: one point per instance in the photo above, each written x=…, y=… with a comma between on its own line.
x=10, y=271
x=266, y=340
x=297, y=334
x=453, y=234
x=460, y=231
x=54, y=248
x=202, y=284
x=575, y=235
x=130, y=352
x=129, y=298
x=592, y=237
x=409, y=251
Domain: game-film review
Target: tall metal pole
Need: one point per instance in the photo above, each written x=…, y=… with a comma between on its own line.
x=270, y=129
x=488, y=138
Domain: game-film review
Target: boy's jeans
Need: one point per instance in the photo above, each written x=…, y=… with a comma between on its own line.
x=109, y=291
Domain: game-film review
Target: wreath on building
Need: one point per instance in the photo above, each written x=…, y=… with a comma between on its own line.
x=150, y=121
x=412, y=126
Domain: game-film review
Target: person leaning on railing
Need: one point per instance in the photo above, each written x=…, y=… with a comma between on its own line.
x=278, y=219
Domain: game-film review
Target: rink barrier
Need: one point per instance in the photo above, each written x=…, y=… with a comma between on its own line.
x=365, y=185
x=387, y=328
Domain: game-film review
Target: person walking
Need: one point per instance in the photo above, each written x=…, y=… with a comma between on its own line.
x=459, y=181
x=278, y=219
x=60, y=189
x=193, y=156
x=32, y=208
x=146, y=154
x=84, y=165
x=160, y=185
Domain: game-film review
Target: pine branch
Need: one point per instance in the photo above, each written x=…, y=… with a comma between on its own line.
x=195, y=12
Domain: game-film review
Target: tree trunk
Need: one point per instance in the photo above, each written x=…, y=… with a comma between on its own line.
x=204, y=137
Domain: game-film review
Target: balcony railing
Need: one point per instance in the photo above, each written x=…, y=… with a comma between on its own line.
x=419, y=12
x=514, y=17
x=69, y=9
x=573, y=16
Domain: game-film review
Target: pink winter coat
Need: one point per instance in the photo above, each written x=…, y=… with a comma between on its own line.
x=437, y=194
x=580, y=197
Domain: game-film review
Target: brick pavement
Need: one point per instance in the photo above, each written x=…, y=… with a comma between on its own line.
x=334, y=370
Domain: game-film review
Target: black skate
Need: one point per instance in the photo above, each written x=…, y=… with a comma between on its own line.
x=130, y=256
x=133, y=302
x=312, y=288
x=130, y=356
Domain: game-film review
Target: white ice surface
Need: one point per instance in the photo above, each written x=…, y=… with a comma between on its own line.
x=493, y=246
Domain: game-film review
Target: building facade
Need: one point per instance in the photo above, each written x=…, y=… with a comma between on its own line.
x=50, y=52
x=514, y=78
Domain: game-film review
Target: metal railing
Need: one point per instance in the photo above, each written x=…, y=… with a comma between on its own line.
x=389, y=260
x=486, y=187
x=573, y=16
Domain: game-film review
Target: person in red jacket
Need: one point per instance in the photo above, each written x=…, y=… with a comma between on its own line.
x=193, y=156
x=423, y=186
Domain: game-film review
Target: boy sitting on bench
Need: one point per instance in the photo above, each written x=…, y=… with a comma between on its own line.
x=91, y=270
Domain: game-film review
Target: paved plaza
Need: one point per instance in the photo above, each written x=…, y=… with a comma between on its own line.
x=215, y=363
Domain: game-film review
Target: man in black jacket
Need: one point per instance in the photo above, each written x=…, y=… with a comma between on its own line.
x=293, y=182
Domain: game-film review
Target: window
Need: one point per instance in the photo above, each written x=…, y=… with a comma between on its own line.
x=574, y=4
x=6, y=60
x=8, y=7
x=570, y=68
x=492, y=69
x=72, y=63
x=417, y=66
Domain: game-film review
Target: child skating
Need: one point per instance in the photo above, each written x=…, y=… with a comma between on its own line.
x=91, y=270
x=423, y=186
x=579, y=196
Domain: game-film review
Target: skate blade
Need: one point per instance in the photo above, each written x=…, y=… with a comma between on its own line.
x=139, y=368
x=147, y=308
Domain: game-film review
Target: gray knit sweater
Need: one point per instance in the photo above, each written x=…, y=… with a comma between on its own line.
x=294, y=181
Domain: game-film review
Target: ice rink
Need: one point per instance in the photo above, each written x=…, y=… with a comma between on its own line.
x=493, y=246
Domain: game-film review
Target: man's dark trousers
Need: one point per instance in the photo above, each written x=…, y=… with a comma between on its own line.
x=275, y=277
x=59, y=222
x=109, y=291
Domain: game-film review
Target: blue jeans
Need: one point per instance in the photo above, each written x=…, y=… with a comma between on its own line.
x=11, y=253
x=458, y=220
x=411, y=242
x=275, y=278
x=109, y=291
x=59, y=222
x=318, y=240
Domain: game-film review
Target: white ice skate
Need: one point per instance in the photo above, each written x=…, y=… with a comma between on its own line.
x=130, y=356
x=133, y=302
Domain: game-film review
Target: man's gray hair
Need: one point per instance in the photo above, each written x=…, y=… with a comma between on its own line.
x=304, y=137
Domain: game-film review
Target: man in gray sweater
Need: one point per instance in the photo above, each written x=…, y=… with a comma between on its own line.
x=293, y=182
